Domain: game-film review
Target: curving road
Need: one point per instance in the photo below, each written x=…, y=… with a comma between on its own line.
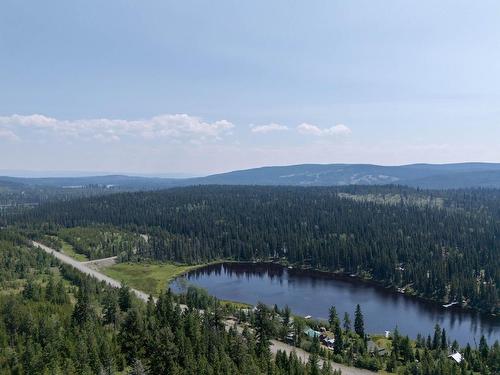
x=275, y=344
x=84, y=267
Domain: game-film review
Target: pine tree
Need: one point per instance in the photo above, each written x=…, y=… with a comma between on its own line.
x=338, y=344
x=436, y=341
x=359, y=325
x=110, y=309
x=313, y=364
x=164, y=352
x=263, y=328
x=131, y=336
x=82, y=312
x=124, y=298
x=333, y=318
x=61, y=296
x=347, y=322
x=483, y=347
x=444, y=340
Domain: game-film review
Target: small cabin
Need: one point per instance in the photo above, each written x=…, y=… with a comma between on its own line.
x=290, y=338
x=312, y=333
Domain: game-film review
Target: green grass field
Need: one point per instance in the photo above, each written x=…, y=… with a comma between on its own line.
x=69, y=251
x=148, y=277
x=235, y=304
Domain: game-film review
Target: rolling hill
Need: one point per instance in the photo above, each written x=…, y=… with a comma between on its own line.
x=431, y=176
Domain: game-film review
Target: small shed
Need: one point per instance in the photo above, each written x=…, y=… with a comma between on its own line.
x=330, y=342
x=290, y=338
x=457, y=357
x=373, y=348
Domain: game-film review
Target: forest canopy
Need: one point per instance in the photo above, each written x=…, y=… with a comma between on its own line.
x=439, y=244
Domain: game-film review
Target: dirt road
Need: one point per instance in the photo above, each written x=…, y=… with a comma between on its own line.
x=304, y=356
x=97, y=264
x=84, y=267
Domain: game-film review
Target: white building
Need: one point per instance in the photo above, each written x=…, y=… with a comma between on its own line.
x=457, y=357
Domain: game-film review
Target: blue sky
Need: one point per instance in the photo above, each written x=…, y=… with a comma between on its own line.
x=200, y=86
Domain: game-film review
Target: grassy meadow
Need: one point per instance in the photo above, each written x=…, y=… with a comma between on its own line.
x=148, y=277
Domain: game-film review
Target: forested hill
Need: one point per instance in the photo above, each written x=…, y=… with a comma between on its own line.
x=429, y=176
x=56, y=320
x=440, y=245
x=432, y=176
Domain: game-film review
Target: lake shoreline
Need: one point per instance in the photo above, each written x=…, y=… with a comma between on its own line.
x=345, y=276
x=311, y=292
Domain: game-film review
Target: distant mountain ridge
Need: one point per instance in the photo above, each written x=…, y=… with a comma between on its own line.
x=416, y=175
x=431, y=176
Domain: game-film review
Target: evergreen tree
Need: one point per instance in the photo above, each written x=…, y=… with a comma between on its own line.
x=359, y=325
x=347, y=322
x=164, y=353
x=338, y=345
x=131, y=336
x=444, y=340
x=263, y=328
x=286, y=315
x=483, y=347
x=333, y=318
x=110, y=309
x=436, y=341
x=124, y=298
x=83, y=310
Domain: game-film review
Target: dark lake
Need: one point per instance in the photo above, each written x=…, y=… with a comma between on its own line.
x=312, y=293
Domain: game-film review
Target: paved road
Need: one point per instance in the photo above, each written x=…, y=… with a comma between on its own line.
x=275, y=344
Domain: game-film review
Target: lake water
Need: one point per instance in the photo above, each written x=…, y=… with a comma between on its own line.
x=312, y=293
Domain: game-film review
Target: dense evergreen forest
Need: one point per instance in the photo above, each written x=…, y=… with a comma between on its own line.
x=437, y=244
x=14, y=198
x=94, y=242
x=427, y=355
x=54, y=320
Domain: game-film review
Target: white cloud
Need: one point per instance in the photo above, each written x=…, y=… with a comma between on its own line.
x=306, y=128
x=8, y=135
x=176, y=127
x=264, y=129
x=339, y=129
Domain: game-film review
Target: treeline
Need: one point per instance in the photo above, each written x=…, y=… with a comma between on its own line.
x=54, y=320
x=39, y=332
x=101, y=241
x=16, y=197
x=344, y=340
x=399, y=354
x=448, y=252
x=95, y=242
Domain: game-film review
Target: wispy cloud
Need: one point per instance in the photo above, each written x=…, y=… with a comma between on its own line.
x=175, y=127
x=264, y=129
x=339, y=129
x=8, y=135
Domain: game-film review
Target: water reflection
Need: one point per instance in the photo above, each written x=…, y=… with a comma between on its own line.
x=312, y=293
